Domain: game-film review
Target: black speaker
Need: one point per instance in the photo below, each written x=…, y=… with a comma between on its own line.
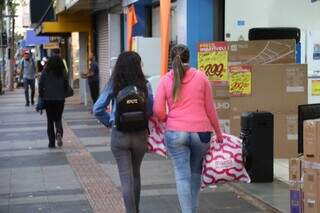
x=257, y=135
x=275, y=33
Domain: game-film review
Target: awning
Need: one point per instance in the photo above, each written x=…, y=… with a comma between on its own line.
x=92, y=5
x=33, y=40
x=65, y=25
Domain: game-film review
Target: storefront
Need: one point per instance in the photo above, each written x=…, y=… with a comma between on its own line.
x=102, y=45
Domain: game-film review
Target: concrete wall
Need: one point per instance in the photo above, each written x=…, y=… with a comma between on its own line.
x=199, y=25
x=83, y=66
x=115, y=36
x=269, y=13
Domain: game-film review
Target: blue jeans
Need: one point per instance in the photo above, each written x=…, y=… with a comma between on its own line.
x=187, y=151
x=26, y=84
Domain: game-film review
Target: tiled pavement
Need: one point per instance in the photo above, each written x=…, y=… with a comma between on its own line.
x=81, y=177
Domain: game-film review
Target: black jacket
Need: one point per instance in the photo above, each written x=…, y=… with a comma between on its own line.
x=52, y=87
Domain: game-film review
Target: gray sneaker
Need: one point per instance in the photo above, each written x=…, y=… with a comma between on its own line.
x=59, y=139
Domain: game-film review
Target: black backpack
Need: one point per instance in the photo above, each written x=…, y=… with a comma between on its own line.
x=131, y=110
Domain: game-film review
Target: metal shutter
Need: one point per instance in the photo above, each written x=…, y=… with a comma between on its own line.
x=103, y=47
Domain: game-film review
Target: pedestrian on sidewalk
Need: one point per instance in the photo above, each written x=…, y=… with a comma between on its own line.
x=53, y=85
x=190, y=119
x=93, y=78
x=128, y=146
x=28, y=72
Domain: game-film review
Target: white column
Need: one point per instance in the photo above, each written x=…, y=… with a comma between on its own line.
x=115, y=35
x=83, y=66
x=182, y=21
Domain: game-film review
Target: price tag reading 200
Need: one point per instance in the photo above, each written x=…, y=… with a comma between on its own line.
x=240, y=80
x=213, y=60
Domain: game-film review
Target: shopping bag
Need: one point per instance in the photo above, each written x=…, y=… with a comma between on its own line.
x=156, y=137
x=224, y=162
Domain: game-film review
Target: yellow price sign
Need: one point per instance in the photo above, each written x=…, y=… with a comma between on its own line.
x=213, y=60
x=315, y=87
x=240, y=80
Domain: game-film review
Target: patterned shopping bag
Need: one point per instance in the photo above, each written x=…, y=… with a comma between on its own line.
x=224, y=162
x=156, y=137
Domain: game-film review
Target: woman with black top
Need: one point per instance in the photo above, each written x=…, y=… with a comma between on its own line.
x=53, y=85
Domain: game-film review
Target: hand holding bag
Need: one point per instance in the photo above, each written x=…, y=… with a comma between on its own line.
x=223, y=162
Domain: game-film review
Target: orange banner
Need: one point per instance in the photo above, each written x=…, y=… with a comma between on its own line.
x=131, y=21
x=165, y=8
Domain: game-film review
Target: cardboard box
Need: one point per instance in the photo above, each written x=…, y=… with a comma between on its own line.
x=310, y=203
x=262, y=52
x=311, y=190
x=295, y=169
x=286, y=135
x=275, y=88
x=223, y=107
x=311, y=137
x=220, y=91
x=285, y=132
x=311, y=181
x=296, y=198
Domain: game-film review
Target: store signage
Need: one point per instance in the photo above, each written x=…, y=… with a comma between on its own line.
x=315, y=87
x=51, y=45
x=213, y=61
x=240, y=80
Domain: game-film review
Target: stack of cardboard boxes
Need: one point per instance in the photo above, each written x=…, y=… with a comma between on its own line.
x=295, y=177
x=305, y=172
x=278, y=85
x=311, y=166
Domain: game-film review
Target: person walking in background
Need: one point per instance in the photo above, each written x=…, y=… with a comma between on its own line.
x=190, y=119
x=53, y=85
x=93, y=78
x=129, y=128
x=28, y=72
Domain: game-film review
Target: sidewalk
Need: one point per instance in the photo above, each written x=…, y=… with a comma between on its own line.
x=81, y=177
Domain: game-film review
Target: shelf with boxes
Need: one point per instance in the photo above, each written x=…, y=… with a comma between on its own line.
x=304, y=172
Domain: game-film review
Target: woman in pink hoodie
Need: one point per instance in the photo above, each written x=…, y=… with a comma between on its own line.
x=190, y=119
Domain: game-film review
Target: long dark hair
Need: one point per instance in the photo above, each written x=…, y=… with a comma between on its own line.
x=128, y=71
x=55, y=66
x=180, y=57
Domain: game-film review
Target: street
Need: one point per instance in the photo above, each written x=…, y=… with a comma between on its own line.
x=82, y=176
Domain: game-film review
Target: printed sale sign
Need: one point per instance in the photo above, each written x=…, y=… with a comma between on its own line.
x=213, y=60
x=315, y=87
x=240, y=80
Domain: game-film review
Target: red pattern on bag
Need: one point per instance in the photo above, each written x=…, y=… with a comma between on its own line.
x=156, y=137
x=223, y=162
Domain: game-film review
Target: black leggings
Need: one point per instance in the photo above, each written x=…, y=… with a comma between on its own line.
x=94, y=90
x=54, y=110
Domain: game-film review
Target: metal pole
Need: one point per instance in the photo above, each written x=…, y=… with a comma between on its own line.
x=3, y=56
x=8, y=45
x=12, y=64
x=2, y=62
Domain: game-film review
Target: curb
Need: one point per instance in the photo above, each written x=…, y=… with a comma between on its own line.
x=253, y=199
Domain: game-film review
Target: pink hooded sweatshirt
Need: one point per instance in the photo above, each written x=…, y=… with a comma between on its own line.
x=194, y=111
